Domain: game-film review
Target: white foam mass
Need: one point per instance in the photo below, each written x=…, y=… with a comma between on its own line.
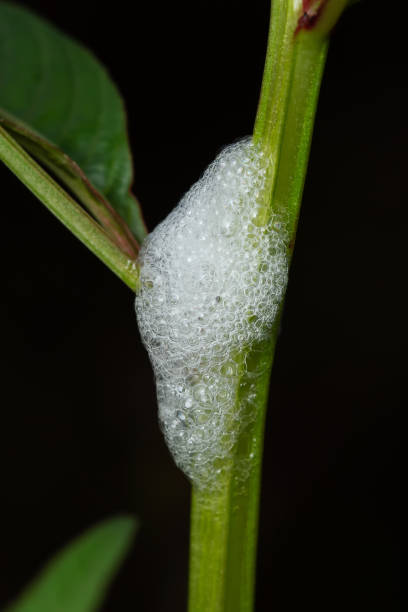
x=212, y=279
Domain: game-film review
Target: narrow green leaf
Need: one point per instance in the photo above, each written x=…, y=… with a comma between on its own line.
x=62, y=205
x=59, y=101
x=72, y=176
x=77, y=578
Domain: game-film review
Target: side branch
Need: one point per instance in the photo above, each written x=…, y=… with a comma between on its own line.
x=64, y=207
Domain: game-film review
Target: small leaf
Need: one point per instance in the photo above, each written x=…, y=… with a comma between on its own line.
x=77, y=578
x=59, y=101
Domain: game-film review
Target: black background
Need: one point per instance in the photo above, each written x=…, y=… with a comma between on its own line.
x=79, y=437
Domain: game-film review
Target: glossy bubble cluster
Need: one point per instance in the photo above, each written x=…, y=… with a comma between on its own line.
x=212, y=278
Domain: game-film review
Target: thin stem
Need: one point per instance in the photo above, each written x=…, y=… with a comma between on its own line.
x=270, y=117
x=67, y=210
x=308, y=64
x=71, y=175
x=224, y=522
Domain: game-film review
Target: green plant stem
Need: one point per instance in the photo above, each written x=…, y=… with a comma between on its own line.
x=67, y=210
x=70, y=175
x=224, y=523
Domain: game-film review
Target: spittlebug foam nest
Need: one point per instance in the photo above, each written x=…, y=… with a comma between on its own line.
x=212, y=278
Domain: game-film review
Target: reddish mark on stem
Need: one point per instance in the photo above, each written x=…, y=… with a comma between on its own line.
x=308, y=4
x=312, y=10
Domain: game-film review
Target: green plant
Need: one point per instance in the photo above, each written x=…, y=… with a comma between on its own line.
x=223, y=540
x=77, y=577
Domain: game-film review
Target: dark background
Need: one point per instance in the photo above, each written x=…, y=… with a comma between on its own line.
x=79, y=436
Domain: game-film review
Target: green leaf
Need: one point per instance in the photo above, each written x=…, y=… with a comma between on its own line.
x=61, y=105
x=77, y=578
x=64, y=207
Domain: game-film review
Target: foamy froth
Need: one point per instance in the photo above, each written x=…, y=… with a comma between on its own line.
x=212, y=277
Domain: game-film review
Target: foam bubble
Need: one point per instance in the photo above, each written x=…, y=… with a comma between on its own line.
x=212, y=279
